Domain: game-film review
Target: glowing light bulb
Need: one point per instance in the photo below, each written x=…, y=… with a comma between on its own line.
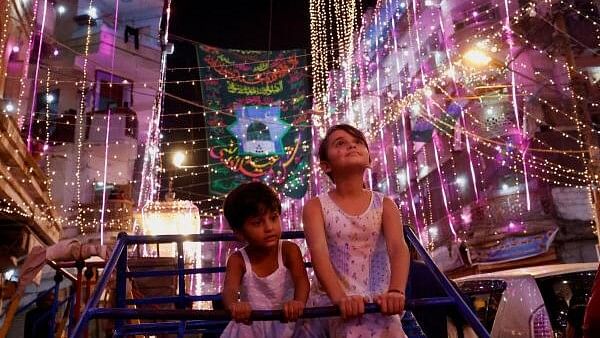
x=477, y=57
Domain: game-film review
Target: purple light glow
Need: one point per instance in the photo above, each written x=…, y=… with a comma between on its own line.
x=106, y=144
x=514, y=227
x=511, y=51
x=463, y=120
x=35, y=82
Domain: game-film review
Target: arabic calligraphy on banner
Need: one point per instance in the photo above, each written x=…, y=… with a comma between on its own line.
x=262, y=131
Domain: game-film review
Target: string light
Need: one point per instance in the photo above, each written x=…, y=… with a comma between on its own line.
x=4, y=35
x=528, y=157
x=25, y=68
x=151, y=166
x=326, y=19
x=336, y=100
x=47, y=140
x=81, y=118
x=35, y=78
x=108, y=118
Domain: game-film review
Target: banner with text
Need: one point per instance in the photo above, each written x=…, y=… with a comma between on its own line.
x=258, y=125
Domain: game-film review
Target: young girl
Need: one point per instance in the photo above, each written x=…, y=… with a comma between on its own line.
x=267, y=273
x=356, y=244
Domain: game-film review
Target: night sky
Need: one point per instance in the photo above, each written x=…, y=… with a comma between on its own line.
x=242, y=24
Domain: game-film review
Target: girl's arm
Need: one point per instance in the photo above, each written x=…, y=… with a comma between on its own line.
x=233, y=279
x=292, y=259
x=396, y=246
x=240, y=311
x=314, y=231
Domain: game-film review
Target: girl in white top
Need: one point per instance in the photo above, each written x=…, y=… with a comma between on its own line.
x=356, y=245
x=267, y=274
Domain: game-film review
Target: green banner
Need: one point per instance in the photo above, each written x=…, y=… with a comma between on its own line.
x=258, y=126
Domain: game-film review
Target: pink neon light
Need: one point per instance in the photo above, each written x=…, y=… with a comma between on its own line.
x=437, y=161
x=381, y=131
x=108, y=113
x=25, y=69
x=37, y=70
x=462, y=115
x=413, y=207
x=514, y=98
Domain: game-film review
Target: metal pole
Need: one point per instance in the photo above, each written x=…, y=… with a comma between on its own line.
x=101, y=285
x=181, y=289
x=76, y=309
x=461, y=305
x=52, y=316
x=121, y=289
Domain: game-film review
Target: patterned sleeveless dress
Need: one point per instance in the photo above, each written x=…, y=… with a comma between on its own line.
x=358, y=253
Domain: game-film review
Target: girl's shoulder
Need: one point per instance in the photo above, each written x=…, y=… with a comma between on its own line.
x=380, y=197
x=387, y=200
x=313, y=204
x=290, y=252
x=287, y=246
x=236, y=260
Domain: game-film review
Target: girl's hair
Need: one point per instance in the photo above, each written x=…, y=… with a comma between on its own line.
x=249, y=200
x=323, y=156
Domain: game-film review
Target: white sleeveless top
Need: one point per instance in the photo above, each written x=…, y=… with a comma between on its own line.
x=269, y=292
x=264, y=293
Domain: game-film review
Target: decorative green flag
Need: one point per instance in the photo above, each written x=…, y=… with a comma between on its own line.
x=261, y=131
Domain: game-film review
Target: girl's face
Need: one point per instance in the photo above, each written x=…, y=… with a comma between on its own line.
x=345, y=151
x=262, y=231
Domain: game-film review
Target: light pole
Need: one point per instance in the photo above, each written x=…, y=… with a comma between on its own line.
x=178, y=159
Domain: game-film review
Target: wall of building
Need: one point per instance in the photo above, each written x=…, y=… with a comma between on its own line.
x=391, y=66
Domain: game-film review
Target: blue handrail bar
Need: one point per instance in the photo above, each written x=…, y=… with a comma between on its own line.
x=462, y=307
x=26, y=306
x=173, y=299
x=257, y=315
x=162, y=273
x=211, y=237
x=204, y=321
x=100, y=286
x=192, y=326
x=50, y=313
x=118, y=261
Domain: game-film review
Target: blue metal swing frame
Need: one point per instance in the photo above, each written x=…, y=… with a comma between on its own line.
x=183, y=322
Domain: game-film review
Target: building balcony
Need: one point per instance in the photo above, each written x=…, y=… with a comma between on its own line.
x=118, y=210
x=118, y=216
x=27, y=213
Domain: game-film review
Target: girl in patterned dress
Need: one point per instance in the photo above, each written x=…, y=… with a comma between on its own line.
x=267, y=274
x=356, y=245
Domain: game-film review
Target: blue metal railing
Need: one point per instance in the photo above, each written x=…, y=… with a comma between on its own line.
x=187, y=321
x=52, y=310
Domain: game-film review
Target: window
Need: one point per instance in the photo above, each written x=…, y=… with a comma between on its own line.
x=475, y=16
x=99, y=191
x=47, y=121
x=566, y=296
x=117, y=95
x=484, y=297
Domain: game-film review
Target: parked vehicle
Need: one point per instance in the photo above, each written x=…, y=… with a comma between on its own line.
x=530, y=302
